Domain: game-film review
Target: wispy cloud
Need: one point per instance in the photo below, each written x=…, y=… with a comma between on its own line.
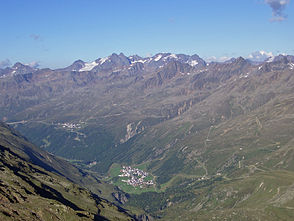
x=36, y=37
x=278, y=7
x=149, y=55
x=218, y=59
x=5, y=63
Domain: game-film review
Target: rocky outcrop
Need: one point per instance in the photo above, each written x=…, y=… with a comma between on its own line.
x=132, y=130
x=144, y=217
x=120, y=197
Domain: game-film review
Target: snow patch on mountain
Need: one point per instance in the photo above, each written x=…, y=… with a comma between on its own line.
x=172, y=56
x=103, y=60
x=89, y=66
x=141, y=61
x=270, y=59
x=193, y=63
x=158, y=57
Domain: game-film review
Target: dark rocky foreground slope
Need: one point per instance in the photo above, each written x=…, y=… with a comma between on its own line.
x=32, y=189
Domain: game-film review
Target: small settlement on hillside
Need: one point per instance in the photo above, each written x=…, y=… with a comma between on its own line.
x=136, y=176
x=70, y=125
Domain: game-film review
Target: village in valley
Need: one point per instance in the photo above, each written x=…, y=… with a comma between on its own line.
x=70, y=125
x=136, y=177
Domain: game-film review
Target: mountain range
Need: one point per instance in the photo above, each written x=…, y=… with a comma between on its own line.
x=217, y=137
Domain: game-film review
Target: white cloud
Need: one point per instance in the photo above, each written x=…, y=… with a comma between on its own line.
x=260, y=56
x=34, y=64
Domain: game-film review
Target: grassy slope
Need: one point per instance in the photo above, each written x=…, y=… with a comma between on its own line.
x=260, y=196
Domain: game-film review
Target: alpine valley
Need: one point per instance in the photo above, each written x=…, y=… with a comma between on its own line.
x=168, y=137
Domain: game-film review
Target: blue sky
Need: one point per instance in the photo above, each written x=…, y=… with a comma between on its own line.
x=54, y=33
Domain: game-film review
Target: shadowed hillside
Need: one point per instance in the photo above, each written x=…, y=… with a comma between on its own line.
x=30, y=189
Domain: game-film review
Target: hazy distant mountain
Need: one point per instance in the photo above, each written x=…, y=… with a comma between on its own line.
x=17, y=68
x=115, y=61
